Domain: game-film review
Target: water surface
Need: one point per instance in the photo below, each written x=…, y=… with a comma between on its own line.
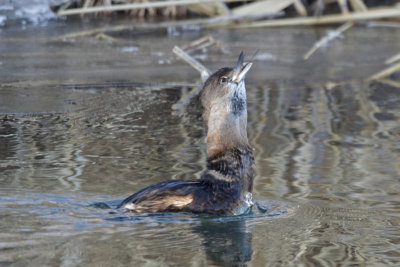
x=86, y=122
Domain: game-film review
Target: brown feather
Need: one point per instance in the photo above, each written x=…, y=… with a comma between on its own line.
x=226, y=185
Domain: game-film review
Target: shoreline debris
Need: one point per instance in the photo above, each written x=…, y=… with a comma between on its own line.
x=371, y=14
x=124, y=7
x=239, y=13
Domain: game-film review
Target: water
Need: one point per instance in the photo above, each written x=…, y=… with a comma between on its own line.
x=85, y=122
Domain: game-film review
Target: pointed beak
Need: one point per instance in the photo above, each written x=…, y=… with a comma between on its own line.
x=241, y=69
x=239, y=76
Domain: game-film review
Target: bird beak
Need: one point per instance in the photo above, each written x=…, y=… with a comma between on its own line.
x=241, y=69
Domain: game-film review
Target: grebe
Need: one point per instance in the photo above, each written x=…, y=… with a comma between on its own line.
x=225, y=186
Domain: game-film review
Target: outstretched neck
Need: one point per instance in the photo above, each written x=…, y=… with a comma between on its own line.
x=225, y=112
x=226, y=131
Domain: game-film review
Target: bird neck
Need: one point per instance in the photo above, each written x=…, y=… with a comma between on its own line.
x=226, y=131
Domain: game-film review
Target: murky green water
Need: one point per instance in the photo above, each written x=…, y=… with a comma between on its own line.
x=87, y=122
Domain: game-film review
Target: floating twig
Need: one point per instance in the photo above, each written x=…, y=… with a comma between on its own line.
x=106, y=37
x=199, y=44
x=386, y=72
x=204, y=72
x=393, y=59
x=327, y=38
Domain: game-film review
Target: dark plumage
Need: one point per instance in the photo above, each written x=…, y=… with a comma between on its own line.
x=226, y=184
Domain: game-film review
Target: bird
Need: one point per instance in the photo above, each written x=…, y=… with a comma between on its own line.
x=225, y=186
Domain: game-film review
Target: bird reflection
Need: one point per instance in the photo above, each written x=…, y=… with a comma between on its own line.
x=226, y=243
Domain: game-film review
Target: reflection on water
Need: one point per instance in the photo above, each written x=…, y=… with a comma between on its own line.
x=226, y=243
x=76, y=142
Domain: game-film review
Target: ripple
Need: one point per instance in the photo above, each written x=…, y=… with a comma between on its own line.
x=261, y=209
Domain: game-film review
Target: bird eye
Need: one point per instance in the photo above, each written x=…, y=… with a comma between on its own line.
x=223, y=79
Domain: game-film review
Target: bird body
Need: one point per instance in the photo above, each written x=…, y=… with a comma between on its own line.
x=225, y=185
